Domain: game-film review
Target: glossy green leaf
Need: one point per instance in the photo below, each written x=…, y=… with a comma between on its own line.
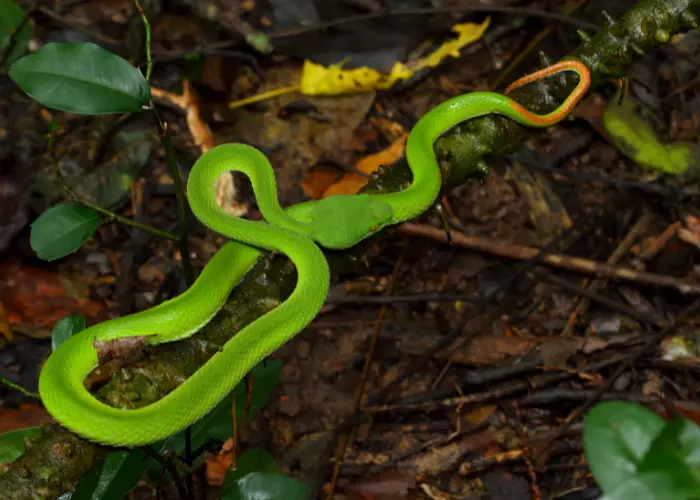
x=616, y=437
x=252, y=460
x=12, y=443
x=646, y=487
x=674, y=455
x=266, y=486
x=62, y=229
x=81, y=78
x=113, y=478
x=65, y=328
x=11, y=16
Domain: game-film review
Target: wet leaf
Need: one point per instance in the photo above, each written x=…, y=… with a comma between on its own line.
x=11, y=16
x=65, y=328
x=252, y=460
x=616, y=437
x=114, y=477
x=62, y=230
x=266, y=486
x=668, y=469
x=81, y=78
x=12, y=443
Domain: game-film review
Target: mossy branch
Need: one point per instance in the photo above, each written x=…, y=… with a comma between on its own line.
x=609, y=54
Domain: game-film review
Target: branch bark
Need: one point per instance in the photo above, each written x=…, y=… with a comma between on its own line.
x=609, y=54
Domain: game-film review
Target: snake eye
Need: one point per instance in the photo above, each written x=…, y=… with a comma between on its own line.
x=373, y=229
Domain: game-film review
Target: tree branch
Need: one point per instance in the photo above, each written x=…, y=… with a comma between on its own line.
x=609, y=54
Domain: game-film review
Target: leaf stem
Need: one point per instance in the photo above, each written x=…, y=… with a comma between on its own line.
x=108, y=214
x=147, y=26
x=171, y=160
x=19, y=388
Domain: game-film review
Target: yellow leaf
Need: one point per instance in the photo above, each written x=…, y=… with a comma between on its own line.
x=468, y=33
x=317, y=79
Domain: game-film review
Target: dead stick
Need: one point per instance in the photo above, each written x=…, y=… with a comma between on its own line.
x=560, y=261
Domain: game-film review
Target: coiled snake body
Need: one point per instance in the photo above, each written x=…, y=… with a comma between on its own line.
x=337, y=222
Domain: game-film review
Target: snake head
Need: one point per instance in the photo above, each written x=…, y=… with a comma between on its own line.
x=341, y=221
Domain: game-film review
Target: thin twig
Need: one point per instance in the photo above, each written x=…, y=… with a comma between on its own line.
x=682, y=318
x=647, y=187
x=78, y=27
x=522, y=55
x=19, y=388
x=171, y=160
x=445, y=10
x=597, y=284
x=559, y=261
x=149, y=62
x=168, y=464
x=360, y=391
x=592, y=296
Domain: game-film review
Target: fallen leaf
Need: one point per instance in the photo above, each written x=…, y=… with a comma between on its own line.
x=28, y=415
x=35, y=299
x=316, y=182
x=317, y=79
x=492, y=350
x=351, y=183
x=219, y=464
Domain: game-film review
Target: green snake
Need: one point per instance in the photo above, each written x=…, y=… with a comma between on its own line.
x=336, y=222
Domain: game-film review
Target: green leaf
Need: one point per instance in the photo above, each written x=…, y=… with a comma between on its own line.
x=646, y=487
x=616, y=436
x=81, y=78
x=65, y=328
x=265, y=377
x=630, y=129
x=63, y=229
x=11, y=16
x=266, y=486
x=252, y=460
x=674, y=454
x=12, y=443
x=113, y=478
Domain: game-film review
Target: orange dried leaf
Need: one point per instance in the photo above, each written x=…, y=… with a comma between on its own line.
x=315, y=183
x=352, y=183
x=218, y=465
x=34, y=297
x=28, y=415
